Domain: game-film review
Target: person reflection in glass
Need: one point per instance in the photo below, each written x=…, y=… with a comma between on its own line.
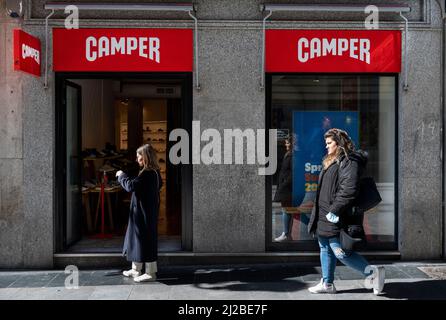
x=284, y=190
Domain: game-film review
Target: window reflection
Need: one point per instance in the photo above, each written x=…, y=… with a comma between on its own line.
x=303, y=108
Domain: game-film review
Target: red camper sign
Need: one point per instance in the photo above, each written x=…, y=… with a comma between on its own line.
x=27, y=53
x=144, y=50
x=333, y=51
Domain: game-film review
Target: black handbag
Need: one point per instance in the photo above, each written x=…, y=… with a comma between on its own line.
x=368, y=196
x=352, y=238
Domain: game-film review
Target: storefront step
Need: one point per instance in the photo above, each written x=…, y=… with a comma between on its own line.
x=108, y=260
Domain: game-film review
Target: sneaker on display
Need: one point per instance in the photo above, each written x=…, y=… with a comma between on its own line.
x=323, y=287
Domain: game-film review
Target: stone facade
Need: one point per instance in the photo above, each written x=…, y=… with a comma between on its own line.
x=229, y=209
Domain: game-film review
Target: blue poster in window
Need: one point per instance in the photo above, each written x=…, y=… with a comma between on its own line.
x=308, y=129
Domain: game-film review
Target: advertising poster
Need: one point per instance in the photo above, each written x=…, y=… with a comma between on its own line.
x=309, y=129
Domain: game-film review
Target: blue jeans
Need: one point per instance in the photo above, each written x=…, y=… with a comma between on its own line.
x=287, y=220
x=331, y=250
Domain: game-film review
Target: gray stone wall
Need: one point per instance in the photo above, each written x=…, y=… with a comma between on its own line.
x=11, y=150
x=228, y=200
x=420, y=215
x=38, y=164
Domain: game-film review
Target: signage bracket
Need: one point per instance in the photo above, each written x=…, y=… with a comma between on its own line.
x=184, y=7
x=270, y=8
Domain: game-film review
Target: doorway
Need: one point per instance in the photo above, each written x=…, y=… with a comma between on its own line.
x=101, y=119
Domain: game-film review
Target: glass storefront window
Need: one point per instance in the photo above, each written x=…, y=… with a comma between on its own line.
x=304, y=107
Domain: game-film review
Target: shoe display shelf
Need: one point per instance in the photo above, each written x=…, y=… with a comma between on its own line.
x=155, y=133
x=123, y=136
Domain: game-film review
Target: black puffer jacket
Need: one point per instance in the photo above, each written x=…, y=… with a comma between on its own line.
x=337, y=189
x=283, y=193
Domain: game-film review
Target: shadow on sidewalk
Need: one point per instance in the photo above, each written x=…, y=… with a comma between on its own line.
x=282, y=286
x=417, y=290
x=257, y=275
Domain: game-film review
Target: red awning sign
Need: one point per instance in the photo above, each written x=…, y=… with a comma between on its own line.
x=27, y=52
x=144, y=50
x=333, y=51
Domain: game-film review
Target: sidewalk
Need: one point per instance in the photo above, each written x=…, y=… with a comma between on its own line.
x=289, y=281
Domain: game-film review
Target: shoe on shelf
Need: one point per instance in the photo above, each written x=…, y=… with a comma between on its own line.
x=107, y=168
x=377, y=280
x=146, y=277
x=283, y=237
x=89, y=184
x=323, y=287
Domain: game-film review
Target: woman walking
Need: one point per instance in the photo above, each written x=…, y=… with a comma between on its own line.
x=337, y=189
x=141, y=239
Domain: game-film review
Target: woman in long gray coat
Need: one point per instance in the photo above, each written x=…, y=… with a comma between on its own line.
x=141, y=239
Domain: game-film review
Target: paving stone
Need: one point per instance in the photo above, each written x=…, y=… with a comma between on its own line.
x=7, y=280
x=185, y=292
x=284, y=282
x=34, y=293
x=413, y=272
x=33, y=281
x=8, y=293
x=311, y=277
x=106, y=278
x=393, y=272
x=226, y=291
x=115, y=292
x=434, y=272
x=150, y=291
x=61, y=293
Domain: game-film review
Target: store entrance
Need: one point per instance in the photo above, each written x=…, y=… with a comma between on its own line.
x=101, y=120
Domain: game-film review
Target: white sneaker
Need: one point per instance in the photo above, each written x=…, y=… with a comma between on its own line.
x=282, y=237
x=322, y=287
x=146, y=277
x=131, y=273
x=378, y=280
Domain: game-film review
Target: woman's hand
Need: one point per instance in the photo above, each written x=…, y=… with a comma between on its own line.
x=119, y=173
x=332, y=217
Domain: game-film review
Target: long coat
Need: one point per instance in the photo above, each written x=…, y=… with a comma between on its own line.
x=141, y=238
x=284, y=187
x=337, y=189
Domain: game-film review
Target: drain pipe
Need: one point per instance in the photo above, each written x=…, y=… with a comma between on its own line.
x=262, y=81
x=45, y=85
x=406, y=85
x=197, y=79
x=442, y=138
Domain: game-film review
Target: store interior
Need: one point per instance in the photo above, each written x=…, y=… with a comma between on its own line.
x=118, y=116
